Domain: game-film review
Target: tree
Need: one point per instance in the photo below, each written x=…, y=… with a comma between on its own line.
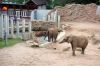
x=20, y=1
x=85, y=1
x=53, y=3
x=49, y=4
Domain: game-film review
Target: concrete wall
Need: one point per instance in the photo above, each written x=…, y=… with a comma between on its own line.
x=39, y=14
x=98, y=10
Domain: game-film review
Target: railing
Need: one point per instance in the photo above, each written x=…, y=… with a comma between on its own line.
x=14, y=28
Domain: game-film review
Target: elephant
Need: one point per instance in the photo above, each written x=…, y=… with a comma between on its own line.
x=76, y=41
x=41, y=33
x=43, y=28
x=52, y=34
x=40, y=28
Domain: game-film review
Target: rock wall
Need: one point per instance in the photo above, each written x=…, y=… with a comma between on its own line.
x=41, y=25
x=78, y=12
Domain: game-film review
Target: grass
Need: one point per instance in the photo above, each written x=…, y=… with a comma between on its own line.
x=10, y=42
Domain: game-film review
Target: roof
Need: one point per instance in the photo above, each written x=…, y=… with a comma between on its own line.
x=30, y=4
x=38, y=2
x=19, y=6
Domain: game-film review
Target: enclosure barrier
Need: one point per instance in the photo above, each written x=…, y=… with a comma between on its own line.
x=20, y=27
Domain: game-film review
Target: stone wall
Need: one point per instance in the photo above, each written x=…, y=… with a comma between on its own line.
x=41, y=25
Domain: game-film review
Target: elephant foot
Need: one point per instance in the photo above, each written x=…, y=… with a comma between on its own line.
x=54, y=48
x=74, y=55
x=48, y=40
x=54, y=42
x=82, y=53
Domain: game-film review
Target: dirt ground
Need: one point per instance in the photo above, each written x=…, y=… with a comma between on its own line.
x=23, y=55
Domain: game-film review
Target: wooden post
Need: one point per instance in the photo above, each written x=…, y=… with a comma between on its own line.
x=23, y=29
x=55, y=18
x=1, y=26
x=6, y=28
x=51, y=18
x=48, y=17
x=12, y=28
x=30, y=29
x=18, y=28
x=7, y=20
x=23, y=25
x=30, y=26
x=58, y=21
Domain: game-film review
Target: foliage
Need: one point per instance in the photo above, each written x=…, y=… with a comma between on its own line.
x=98, y=2
x=10, y=42
x=49, y=4
x=85, y=1
x=53, y=3
x=20, y=1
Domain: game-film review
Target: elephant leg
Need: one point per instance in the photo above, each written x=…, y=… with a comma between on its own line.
x=82, y=50
x=55, y=37
x=49, y=38
x=73, y=50
x=52, y=38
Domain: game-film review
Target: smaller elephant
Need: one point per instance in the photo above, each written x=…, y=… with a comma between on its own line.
x=76, y=41
x=52, y=34
x=41, y=33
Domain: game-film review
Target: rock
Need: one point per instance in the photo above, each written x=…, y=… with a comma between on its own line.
x=35, y=46
x=95, y=39
x=66, y=49
x=45, y=44
x=61, y=36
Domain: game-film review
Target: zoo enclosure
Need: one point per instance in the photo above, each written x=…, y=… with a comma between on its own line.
x=17, y=28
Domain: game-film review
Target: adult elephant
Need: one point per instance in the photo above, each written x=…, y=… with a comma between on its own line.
x=76, y=42
x=52, y=34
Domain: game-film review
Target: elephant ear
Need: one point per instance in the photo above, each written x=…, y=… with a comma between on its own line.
x=69, y=39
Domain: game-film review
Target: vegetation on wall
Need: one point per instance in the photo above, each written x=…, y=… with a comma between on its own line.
x=53, y=3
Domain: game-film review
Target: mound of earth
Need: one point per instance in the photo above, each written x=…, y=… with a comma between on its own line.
x=78, y=12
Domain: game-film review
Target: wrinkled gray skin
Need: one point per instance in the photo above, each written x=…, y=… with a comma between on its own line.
x=76, y=41
x=52, y=34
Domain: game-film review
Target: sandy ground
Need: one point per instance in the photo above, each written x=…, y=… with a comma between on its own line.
x=22, y=54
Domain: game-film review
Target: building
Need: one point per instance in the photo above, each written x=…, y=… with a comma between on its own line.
x=11, y=11
x=22, y=10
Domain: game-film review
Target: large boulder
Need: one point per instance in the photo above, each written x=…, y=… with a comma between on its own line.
x=61, y=36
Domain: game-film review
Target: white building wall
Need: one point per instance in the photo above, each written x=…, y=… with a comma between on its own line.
x=39, y=14
x=98, y=10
